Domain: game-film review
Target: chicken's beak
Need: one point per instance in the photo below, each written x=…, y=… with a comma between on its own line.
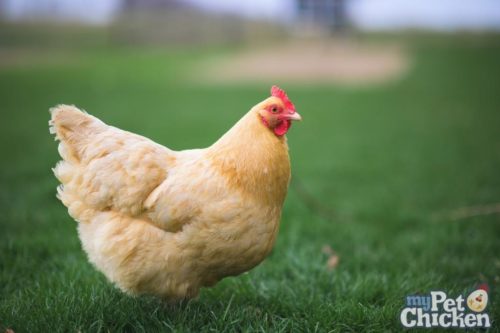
x=293, y=116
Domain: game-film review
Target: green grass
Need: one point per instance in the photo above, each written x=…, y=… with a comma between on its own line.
x=391, y=161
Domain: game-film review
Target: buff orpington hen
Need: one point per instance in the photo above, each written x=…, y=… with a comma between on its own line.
x=163, y=222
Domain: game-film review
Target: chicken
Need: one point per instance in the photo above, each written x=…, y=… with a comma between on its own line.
x=163, y=222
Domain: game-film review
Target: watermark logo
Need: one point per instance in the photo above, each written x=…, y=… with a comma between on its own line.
x=438, y=310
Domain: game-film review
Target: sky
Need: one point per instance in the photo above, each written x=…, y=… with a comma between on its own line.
x=430, y=14
x=367, y=14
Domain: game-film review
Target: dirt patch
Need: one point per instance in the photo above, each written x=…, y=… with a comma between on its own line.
x=336, y=61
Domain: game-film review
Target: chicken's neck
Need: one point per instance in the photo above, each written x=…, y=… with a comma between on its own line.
x=254, y=160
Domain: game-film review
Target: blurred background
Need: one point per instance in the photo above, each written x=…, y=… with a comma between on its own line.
x=395, y=187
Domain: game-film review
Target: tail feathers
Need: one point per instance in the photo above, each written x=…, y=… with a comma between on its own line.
x=74, y=128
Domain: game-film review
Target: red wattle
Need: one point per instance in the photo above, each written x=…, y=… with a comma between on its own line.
x=282, y=127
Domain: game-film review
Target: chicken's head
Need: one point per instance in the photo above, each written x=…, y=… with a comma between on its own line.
x=277, y=112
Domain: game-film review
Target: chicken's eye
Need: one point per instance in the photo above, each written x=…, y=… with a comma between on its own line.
x=274, y=109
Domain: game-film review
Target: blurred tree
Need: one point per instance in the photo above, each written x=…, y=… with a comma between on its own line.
x=149, y=4
x=331, y=14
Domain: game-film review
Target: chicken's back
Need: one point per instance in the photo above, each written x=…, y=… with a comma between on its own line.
x=105, y=168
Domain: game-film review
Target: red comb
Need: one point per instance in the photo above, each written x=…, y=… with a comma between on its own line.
x=281, y=94
x=484, y=287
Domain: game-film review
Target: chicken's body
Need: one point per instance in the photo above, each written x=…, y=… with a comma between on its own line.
x=163, y=222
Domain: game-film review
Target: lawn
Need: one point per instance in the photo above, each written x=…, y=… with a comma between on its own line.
x=382, y=174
